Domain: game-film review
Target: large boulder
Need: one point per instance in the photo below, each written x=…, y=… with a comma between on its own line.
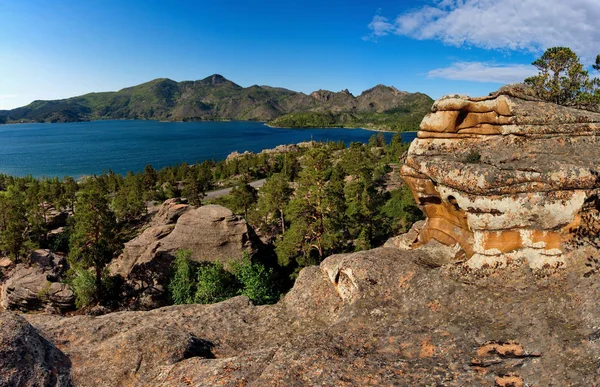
x=507, y=178
x=27, y=358
x=210, y=233
x=37, y=286
x=378, y=317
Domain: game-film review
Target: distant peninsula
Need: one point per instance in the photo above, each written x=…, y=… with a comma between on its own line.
x=216, y=98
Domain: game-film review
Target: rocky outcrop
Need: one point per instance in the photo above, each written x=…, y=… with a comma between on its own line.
x=211, y=233
x=170, y=211
x=507, y=178
x=37, y=286
x=27, y=358
x=378, y=317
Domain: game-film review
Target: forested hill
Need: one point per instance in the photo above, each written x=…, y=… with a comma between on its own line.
x=216, y=98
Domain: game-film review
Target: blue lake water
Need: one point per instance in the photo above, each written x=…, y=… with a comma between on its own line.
x=85, y=148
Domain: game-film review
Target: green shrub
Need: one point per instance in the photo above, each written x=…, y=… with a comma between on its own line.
x=257, y=282
x=214, y=284
x=84, y=287
x=182, y=280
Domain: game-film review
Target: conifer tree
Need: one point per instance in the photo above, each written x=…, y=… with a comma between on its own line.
x=94, y=241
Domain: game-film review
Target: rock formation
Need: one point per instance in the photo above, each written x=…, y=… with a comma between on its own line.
x=37, y=286
x=506, y=177
x=378, y=317
x=27, y=358
x=210, y=232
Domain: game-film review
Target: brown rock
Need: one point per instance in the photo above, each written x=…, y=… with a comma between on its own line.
x=371, y=318
x=5, y=262
x=170, y=211
x=537, y=172
x=37, y=287
x=211, y=233
x=27, y=358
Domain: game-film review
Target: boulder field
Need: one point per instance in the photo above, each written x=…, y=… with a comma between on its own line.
x=506, y=177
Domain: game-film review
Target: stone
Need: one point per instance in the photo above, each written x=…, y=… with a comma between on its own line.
x=27, y=358
x=407, y=240
x=211, y=233
x=377, y=317
x=37, y=287
x=5, y=262
x=170, y=211
x=536, y=177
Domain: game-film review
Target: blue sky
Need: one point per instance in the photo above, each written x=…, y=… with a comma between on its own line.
x=58, y=49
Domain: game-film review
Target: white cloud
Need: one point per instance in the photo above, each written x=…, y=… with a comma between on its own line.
x=379, y=26
x=484, y=72
x=524, y=25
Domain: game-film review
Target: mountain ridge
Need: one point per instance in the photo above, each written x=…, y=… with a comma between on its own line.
x=216, y=98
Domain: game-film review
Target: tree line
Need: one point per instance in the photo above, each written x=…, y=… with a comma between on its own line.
x=318, y=200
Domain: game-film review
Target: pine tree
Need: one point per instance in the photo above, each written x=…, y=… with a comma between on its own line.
x=562, y=78
x=243, y=196
x=14, y=226
x=315, y=213
x=94, y=241
x=274, y=196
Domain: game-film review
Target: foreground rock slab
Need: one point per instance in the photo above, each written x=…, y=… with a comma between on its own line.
x=27, y=358
x=379, y=317
x=506, y=177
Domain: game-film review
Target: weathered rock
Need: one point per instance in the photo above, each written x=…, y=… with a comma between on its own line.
x=170, y=211
x=371, y=318
x=210, y=232
x=407, y=240
x=27, y=358
x=5, y=262
x=534, y=174
x=37, y=286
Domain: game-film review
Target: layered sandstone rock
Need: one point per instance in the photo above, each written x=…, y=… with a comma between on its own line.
x=506, y=177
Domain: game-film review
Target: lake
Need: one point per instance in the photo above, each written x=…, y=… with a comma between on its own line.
x=85, y=148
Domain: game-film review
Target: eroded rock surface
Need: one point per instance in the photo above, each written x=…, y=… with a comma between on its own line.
x=506, y=177
x=37, y=286
x=210, y=232
x=378, y=317
x=27, y=358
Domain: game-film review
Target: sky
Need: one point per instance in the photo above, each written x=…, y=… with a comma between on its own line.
x=58, y=49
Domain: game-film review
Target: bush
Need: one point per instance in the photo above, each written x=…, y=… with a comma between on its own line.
x=209, y=282
x=84, y=287
x=214, y=284
x=182, y=280
x=257, y=282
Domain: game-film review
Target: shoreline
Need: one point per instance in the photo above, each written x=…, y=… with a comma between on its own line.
x=62, y=166
x=337, y=127
x=266, y=123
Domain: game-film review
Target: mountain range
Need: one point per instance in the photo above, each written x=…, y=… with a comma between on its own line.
x=216, y=98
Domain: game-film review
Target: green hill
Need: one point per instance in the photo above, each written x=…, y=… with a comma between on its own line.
x=216, y=98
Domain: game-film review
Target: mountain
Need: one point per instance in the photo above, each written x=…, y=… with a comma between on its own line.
x=217, y=98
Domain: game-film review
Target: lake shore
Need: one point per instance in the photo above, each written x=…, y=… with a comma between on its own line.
x=86, y=148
